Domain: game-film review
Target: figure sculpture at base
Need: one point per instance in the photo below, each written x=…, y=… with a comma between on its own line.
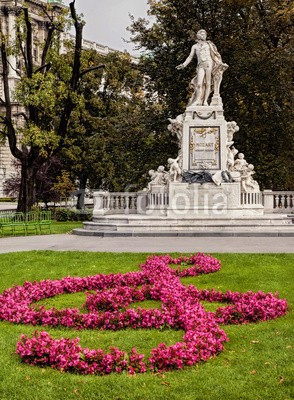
x=232, y=128
x=240, y=163
x=174, y=169
x=231, y=152
x=209, y=70
x=247, y=182
x=159, y=177
x=176, y=128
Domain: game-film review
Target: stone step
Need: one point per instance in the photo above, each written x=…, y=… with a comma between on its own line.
x=142, y=225
x=146, y=233
x=166, y=227
x=177, y=223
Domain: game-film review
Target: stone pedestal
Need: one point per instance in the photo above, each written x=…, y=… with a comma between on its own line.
x=204, y=139
x=203, y=199
x=268, y=201
x=142, y=202
x=100, y=203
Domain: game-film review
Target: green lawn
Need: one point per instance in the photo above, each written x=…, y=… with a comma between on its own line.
x=257, y=363
x=64, y=227
x=56, y=227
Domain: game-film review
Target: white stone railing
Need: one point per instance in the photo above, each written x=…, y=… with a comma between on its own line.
x=139, y=202
x=119, y=202
x=251, y=198
x=155, y=200
x=278, y=201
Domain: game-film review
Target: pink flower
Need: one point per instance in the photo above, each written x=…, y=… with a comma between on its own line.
x=108, y=309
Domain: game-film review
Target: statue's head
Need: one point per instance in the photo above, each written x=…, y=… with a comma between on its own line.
x=202, y=34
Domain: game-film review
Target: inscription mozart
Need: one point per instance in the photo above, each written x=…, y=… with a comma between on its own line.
x=204, y=148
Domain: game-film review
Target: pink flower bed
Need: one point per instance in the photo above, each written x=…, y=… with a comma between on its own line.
x=107, y=309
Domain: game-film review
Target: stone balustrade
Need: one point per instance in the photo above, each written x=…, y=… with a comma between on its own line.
x=157, y=200
x=278, y=201
x=251, y=198
x=138, y=202
x=116, y=202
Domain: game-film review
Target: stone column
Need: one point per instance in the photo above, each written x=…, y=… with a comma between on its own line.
x=268, y=201
x=11, y=33
x=142, y=202
x=100, y=206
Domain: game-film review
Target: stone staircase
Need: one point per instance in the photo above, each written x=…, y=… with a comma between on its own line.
x=142, y=225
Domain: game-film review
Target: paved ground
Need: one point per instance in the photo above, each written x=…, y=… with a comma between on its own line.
x=149, y=244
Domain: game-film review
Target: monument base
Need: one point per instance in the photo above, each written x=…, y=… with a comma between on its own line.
x=209, y=200
x=270, y=225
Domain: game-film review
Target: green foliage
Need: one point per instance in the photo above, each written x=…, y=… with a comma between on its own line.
x=256, y=39
x=64, y=185
x=45, y=93
x=66, y=214
x=120, y=133
x=42, y=91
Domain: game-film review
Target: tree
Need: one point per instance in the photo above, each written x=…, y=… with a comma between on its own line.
x=46, y=177
x=255, y=37
x=120, y=133
x=47, y=92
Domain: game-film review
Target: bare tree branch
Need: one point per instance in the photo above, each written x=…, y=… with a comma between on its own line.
x=29, y=44
x=78, y=46
x=11, y=134
x=91, y=69
x=56, y=27
x=47, y=45
x=43, y=66
x=14, y=69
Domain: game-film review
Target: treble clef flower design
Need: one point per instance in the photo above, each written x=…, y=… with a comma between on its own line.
x=159, y=279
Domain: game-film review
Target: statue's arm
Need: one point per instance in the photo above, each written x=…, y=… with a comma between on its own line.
x=188, y=59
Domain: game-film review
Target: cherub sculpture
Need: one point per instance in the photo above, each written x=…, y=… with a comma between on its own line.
x=159, y=177
x=175, y=171
x=247, y=182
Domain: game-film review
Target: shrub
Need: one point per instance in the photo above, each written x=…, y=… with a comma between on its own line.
x=66, y=214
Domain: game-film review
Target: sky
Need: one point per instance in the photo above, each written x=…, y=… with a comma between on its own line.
x=107, y=20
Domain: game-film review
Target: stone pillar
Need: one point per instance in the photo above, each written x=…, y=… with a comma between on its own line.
x=268, y=201
x=11, y=32
x=100, y=203
x=142, y=202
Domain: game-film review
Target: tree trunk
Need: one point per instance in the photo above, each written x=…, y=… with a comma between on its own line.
x=27, y=193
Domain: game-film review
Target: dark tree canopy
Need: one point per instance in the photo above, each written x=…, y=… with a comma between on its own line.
x=119, y=133
x=255, y=37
